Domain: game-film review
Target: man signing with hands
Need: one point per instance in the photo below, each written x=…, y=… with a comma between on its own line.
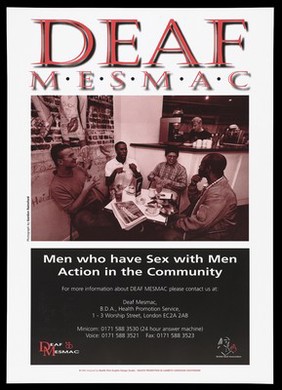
x=121, y=169
x=78, y=194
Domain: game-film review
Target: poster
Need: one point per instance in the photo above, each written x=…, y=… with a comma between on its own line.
x=173, y=285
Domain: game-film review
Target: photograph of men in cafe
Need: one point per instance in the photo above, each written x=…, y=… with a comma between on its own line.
x=139, y=168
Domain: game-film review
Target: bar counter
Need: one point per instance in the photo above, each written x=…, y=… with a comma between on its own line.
x=185, y=148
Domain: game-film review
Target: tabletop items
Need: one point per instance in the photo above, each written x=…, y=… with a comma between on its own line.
x=128, y=214
x=165, y=207
x=131, y=210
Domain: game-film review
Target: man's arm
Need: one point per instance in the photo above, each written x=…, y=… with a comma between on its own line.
x=110, y=179
x=136, y=173
x=154, y=173
x=88, y=185
x=180, y=183
x=209, y=211
x=193, y=192
x=65, y=200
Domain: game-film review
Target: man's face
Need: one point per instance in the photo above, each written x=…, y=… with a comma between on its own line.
x=171, y=158
x=176, y=126
x=196, y=125
x=67, y=158
x=121, y=152
x=203, y=170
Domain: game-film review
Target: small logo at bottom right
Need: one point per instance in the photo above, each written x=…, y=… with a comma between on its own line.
x=226, y=348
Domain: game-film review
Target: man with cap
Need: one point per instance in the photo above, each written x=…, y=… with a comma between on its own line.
x=232, y=134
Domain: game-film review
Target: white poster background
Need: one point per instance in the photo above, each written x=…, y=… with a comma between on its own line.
x=23, y=44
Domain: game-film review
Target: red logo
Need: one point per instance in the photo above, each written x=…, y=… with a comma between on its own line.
x=52, y=349
x=48, y=349
x=68, y=345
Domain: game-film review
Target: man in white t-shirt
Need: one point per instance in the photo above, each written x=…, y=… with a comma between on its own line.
x=121, y=169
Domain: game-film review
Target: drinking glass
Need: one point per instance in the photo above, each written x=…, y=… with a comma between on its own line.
x=159, y=188
x=151, y=193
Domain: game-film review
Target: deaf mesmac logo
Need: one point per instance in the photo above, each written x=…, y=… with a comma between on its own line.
x=47, y=348
x=227, y=347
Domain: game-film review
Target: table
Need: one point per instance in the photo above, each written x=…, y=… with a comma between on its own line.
x=161, y=219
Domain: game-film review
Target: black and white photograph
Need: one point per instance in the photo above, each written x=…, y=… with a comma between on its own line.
x=182, y=161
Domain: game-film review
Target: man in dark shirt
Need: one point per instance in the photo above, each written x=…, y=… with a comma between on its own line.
x=197, y=131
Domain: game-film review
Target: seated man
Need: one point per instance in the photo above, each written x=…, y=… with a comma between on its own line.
x=213, y=209
x=121, y=169
x=172, y=174
x=79, y=195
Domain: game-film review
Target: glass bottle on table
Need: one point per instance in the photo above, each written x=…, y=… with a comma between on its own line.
x=151, y=192
x=159, y=187
x=118, y=192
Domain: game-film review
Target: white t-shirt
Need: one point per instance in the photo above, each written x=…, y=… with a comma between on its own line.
x=123, y=178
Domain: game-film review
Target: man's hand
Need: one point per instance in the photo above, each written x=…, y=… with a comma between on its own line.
x=88, y=185
x=96, y=180
x=91, y=183
x=119, y=170
x=158, y=179
x=133, y=167
x=178, y=223
x=166, y=182
x=196, y=179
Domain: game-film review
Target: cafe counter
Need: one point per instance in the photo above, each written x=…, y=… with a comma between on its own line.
x=237, y=170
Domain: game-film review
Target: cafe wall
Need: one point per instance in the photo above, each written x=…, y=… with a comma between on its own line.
x=50, y=116
x=137, y=119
